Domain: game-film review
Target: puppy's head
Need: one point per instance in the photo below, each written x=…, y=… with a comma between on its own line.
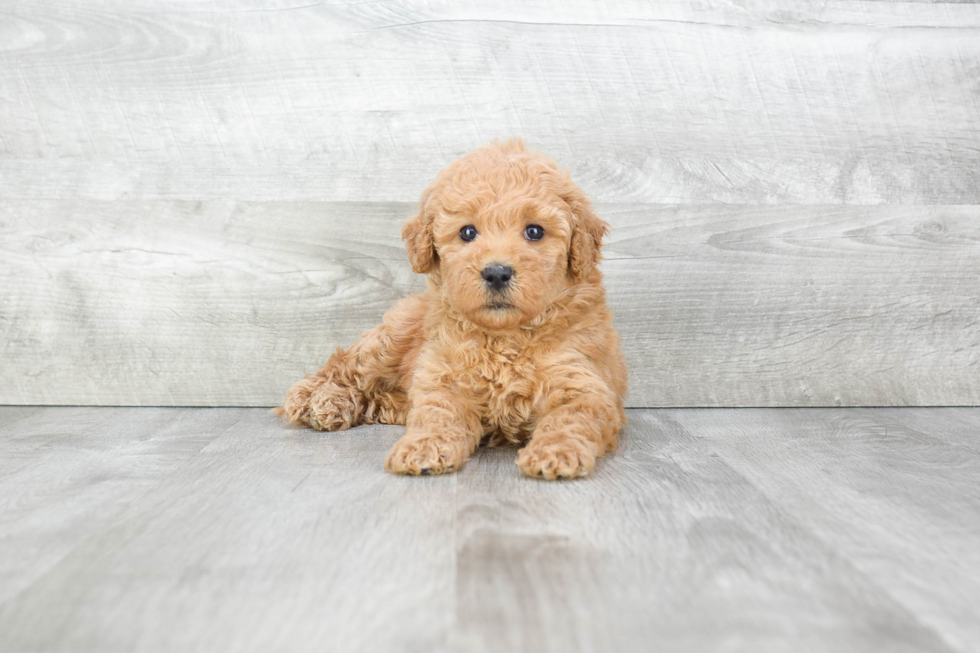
x=503, y=233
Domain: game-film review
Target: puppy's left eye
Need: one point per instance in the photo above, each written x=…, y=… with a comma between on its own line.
x=533, y=232
x=468, y=233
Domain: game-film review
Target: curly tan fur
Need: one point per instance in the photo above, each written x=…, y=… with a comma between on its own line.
x=538, y=364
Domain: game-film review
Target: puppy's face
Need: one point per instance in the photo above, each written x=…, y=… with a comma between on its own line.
x=505, y=262
x=504, y=233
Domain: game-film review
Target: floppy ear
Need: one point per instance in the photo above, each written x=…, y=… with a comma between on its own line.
x=588, y=231
x=417, y=234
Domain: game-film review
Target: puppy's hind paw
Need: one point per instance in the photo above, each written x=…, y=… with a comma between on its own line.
x=322, y=405
x=296, y=407
x=334, y=408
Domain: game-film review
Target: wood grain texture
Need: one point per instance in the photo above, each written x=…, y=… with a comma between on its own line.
x=64, y=475
x=880, y=486
x=666, y=547
x=199, y=200
x=227, y=303
x=761, y=102
x=764, y=530
x=269, y=538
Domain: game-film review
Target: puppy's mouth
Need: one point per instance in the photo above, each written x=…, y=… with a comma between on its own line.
x=498, y=306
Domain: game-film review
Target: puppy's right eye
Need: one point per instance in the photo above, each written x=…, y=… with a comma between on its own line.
x=468, y=233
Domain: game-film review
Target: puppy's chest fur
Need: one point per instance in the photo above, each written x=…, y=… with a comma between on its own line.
x=500, y=374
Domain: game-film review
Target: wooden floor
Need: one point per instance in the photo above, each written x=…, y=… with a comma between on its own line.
x=142, y=529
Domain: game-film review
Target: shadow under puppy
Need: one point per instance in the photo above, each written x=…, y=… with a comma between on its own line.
x=511, y=342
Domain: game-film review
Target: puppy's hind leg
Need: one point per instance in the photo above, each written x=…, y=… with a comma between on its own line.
x=366, y=383
x=328, y=400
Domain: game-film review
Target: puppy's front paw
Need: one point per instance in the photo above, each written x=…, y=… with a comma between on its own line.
x=556, y=457
x=421, y=455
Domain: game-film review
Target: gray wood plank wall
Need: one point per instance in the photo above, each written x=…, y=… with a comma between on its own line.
x=200, y=200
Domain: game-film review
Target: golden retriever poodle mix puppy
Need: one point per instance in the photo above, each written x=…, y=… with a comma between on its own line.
x=511, y=342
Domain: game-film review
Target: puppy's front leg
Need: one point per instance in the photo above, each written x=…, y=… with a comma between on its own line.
x=579, y=424
x=442, y=433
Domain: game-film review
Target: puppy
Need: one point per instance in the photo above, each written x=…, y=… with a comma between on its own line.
x=511, y=342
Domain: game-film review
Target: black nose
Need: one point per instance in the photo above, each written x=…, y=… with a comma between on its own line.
x=497, y=276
